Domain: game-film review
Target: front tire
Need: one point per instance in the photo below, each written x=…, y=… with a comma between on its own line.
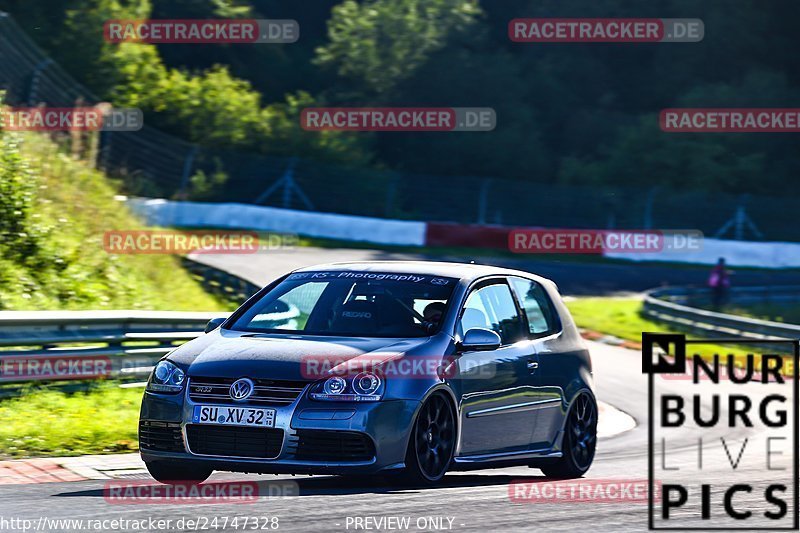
x=177, y=472
x=432, y=442
x=580, y=440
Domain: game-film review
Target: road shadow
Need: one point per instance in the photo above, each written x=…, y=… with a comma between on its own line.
x=321, y=485
x=386, y=485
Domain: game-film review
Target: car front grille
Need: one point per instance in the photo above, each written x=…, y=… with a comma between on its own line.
x=234, y=441
x=267, y=392
x=325, y=445
x=160, y=436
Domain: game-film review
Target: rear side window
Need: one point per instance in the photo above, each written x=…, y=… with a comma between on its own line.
x=536, y=305
x=492, y=307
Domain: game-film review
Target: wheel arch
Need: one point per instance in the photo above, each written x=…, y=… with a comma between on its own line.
x=443, y=389
x=570, y=403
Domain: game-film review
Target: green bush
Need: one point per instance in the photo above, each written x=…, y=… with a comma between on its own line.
x=54, y=212
x=18, y=238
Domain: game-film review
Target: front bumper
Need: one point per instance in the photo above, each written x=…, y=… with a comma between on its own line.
x=385, y=424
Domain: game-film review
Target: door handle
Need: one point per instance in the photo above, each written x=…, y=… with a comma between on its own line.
x=533, y=365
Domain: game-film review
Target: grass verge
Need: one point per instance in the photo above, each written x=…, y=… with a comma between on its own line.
x=786, y=312
x=48, y=422
x=621, y=317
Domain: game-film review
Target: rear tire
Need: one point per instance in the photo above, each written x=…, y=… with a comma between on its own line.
x=432, y=442
x=580, y=441
x=178, y=473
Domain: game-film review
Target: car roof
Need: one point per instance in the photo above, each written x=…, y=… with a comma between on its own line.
x=463, y=271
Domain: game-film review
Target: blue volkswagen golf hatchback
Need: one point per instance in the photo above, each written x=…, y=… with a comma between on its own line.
x=413, y=368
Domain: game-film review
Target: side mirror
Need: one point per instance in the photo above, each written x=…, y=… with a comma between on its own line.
x=213, y=324
x=480, y=339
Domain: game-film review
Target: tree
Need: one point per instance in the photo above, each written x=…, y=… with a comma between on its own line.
x=378, y=43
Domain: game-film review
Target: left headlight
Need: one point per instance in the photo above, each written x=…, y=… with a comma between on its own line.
x=364, y=387
x=166, y=377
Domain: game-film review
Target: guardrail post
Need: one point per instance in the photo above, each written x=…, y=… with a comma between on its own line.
x=37, y=74
x=648, y=208
x=391, y=192
x=483, y=200
x=187, y=171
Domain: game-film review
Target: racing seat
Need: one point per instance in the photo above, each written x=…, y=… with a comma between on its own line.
x=394, y=318
x=357, y=316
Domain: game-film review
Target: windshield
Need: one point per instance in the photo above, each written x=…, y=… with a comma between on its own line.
x=351, y=303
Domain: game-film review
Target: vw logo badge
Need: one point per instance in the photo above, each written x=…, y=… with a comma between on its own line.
x=242, y=389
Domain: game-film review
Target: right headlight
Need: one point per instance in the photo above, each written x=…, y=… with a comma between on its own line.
x=166, y=377
x=364, y=387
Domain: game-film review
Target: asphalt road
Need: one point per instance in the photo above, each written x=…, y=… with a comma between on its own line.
x=475, y=501
x=573, y=278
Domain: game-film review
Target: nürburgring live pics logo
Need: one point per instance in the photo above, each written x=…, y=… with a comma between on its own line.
x=723, y=440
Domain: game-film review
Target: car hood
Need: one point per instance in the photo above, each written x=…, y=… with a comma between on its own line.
x=230, y=354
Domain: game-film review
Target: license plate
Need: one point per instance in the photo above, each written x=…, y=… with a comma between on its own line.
x=233, y=416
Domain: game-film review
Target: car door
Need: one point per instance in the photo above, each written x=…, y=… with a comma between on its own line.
x=495, y=415
x=548, y=375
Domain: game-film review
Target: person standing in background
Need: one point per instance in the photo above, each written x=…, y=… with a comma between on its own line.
x=719, y=282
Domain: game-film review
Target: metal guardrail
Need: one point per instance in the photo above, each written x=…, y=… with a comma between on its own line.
x=127, y=343
x=673, y=306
